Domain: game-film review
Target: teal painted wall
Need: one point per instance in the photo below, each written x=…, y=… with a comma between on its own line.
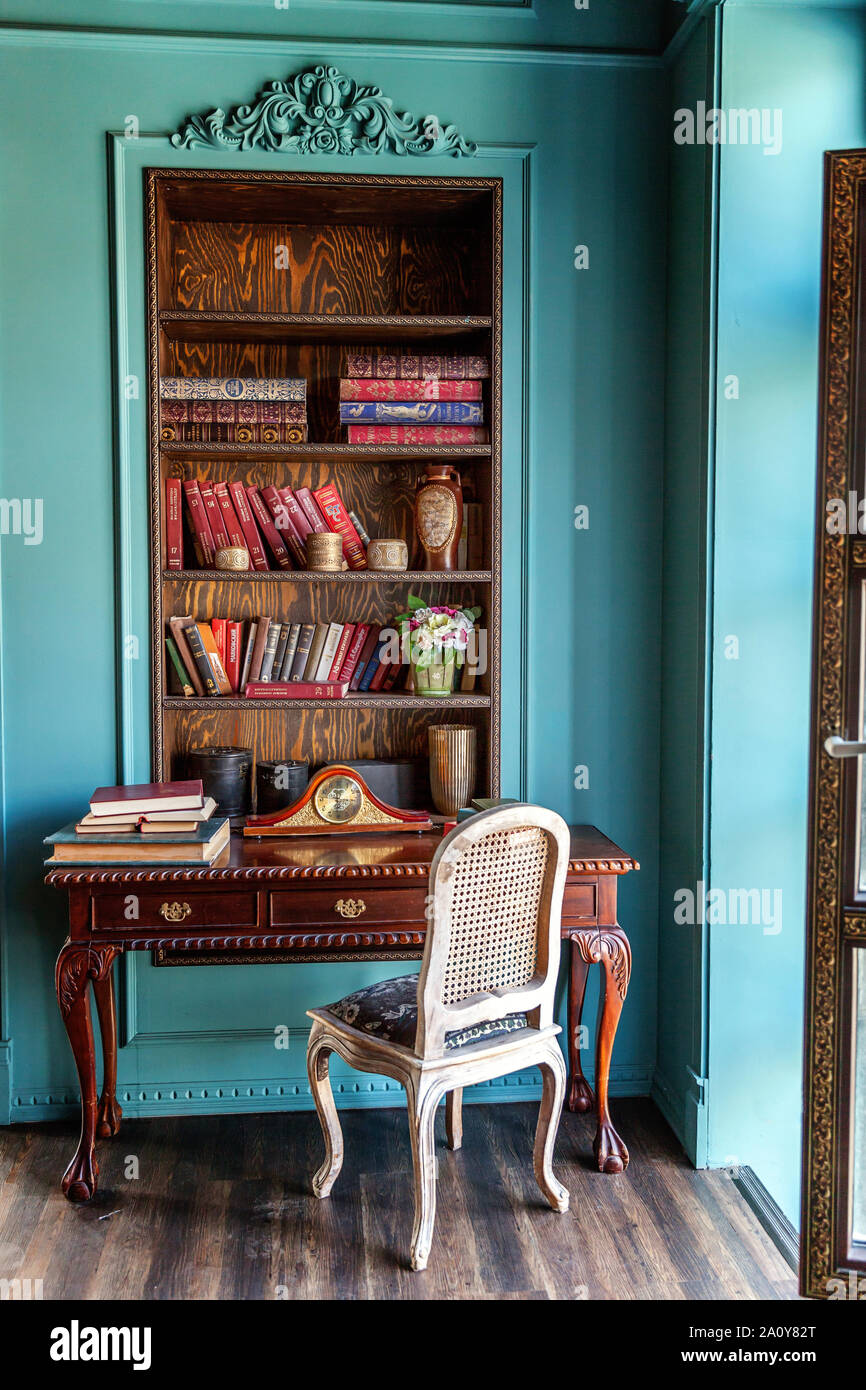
x=681, y=1059
x=579, y=135
x=810, y=62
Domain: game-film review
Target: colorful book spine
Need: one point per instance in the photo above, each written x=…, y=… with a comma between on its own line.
x=248, y=654
x=205, y=548
x=205, y=632
x=233, y=388
x=342, y=649
x=366, y=655
x=179, y=668
x=418, y=434
x=302, y=652
x=231, y=523
x=280, y=656
x=191, y=412
x=270, y=651
x=268, y=529
x=234, y=644
x=214, y=515
x=311, y=509
x=412, y=367
x=179, y=626
x=173, y=525
x=373, y=665
x=412, y=412
x=233, y=434
x=295, y=690
x=337, y=518
x=202, y=660
x=263, y=627
x=359, y=637
x=329, y=651
x=271, y=496
x=397, y=389
x=252, y=539
x=218, y=628
x=297, y=515
x=291, y=650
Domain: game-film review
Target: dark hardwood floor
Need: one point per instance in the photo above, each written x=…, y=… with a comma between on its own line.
x=221, y=1209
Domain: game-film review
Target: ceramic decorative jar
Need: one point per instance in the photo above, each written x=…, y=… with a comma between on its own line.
x=439, y=516
x=387, y=554
x=324, y=551
x=232, y=557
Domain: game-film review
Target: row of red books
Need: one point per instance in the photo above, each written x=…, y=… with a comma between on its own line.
x=270, y=523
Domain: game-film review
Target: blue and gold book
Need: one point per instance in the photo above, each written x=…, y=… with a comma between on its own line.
x=412, y=412
x=232, y=388
x=199, y=846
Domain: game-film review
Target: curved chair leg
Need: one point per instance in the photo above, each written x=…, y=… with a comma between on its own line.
x=554, y=1078
x=318, y=1057
x=454, y=1118
x=422, y=1113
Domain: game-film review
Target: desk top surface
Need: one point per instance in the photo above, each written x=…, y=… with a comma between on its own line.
x=403, y=855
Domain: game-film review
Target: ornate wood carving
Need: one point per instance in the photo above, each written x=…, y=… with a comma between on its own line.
x=75, y=966
x=321, y=111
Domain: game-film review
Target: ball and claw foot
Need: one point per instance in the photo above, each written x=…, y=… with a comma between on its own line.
x=580, y=1098
x=108, y=1117
x=79, y=1181
x=611, y=1154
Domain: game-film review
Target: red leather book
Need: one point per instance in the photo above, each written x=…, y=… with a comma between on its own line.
x=218, y=628
x=252, y=539
x=230, y=516
x=311, y=509
x=205, y=549
x=367, y=650
x=378, y=680
x=232, y=662
x=141, y=797
x=418, y=434
x=297, y=515
x=268, y=529
x=340, y=654
x=272, y=498
x=359, y=637
x=335, y=514
x=376, y=388
x=296, y=690
x=173, y=525
x=214, y=515
x=234, y=412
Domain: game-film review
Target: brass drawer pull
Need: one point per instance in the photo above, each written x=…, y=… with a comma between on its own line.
x=351, y=907
x=175, y=912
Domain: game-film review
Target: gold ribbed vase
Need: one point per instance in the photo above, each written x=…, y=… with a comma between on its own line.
x=452, y=766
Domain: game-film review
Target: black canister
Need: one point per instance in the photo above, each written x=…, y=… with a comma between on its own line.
x=226, y=775
x=280, y=784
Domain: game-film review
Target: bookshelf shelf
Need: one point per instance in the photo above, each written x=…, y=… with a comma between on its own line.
x=353, y=699
x=272, y=274
x=209, y=327
x=411, y=577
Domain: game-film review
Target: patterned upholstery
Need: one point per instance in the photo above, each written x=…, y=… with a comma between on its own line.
x=389, y=1010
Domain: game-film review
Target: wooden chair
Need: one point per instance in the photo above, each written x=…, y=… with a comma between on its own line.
x=481, y=1007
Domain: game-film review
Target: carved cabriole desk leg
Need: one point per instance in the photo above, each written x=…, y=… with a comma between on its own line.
x=609, y=948
x=77, y=964
x=579, y=1091
x=109, y=1113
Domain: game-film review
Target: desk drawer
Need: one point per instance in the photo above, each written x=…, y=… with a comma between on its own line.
x=349, y=905
x=580, y=902
x=174, y=907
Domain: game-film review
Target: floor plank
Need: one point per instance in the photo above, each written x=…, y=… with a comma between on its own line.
x=221, y=1209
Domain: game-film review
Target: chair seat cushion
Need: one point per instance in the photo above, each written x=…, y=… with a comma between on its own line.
x=389, y=1010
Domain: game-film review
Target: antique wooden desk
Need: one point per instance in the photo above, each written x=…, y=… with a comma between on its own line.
x=328, y=898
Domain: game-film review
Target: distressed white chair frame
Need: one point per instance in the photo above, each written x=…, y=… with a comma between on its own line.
x=429, y=1071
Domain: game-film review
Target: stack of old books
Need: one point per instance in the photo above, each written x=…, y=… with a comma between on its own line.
x=430, y=399
x=233, y=410
x=149, y=823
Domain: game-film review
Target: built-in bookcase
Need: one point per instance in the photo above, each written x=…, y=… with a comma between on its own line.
x=270, y=274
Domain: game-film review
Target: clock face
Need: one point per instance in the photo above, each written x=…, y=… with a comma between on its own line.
x=338, y=799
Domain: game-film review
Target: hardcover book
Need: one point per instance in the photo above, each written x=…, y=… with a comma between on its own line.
x=316, y=646
x=291, y=649
x=359, y=637
x=270, y=651
x=397, y=389
x=205, y=549
x=268, y=529
x=178, y=627
x=296, y=690
x=418, y=434
x=209, y=643
x=273, y=500
x=329, y=651
x=252, y=538
x=233, y=434
x=185, y=680
x=141, y=797
x=202, y=659
x=232, y=388
x=412, y=412
x=370, y=643
x=262, y=630
x=224, y=412
x=436, y=366
x=340, y=654
x=214, y=515
x=332, y=509
x=198, y=846
x=310, y=507
x=173, y=525
x=302, y=654
x=230, y=516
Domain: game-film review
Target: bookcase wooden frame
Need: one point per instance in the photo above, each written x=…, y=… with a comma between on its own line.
x=372, y=724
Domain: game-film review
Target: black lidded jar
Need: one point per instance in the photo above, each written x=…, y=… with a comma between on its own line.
x=226, y=775
x=280, y=783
